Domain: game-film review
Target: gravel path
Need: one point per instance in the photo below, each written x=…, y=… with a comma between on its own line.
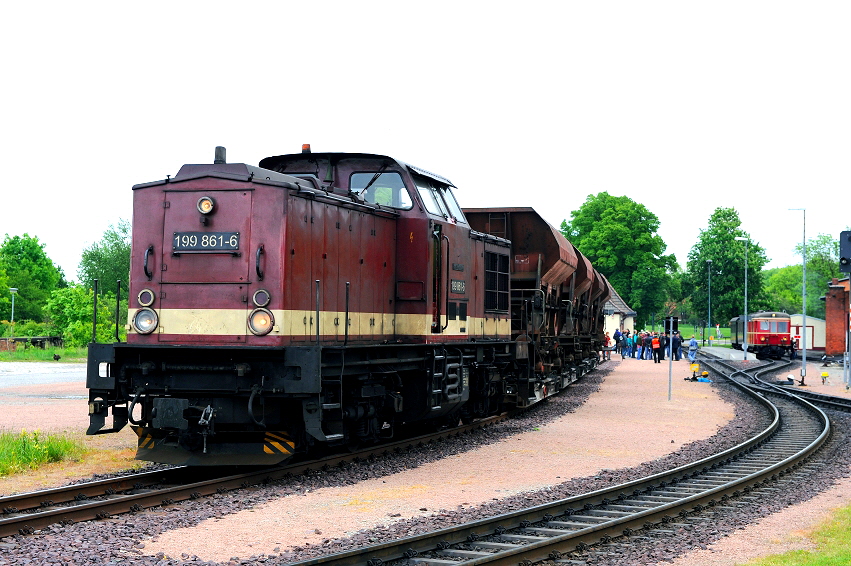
x=614, y=425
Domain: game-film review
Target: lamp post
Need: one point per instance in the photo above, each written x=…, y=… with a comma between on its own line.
x=708, y=299
x=747, y=245
x=14, y=291
x=804, y=294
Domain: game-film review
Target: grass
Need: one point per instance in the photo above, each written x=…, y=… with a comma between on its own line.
x=37, y=355
x=29, y=450
x=833, y=545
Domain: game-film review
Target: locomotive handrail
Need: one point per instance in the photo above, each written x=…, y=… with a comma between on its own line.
x=257, y=262
x=448, y=282
x=148, y=252
x=317, y=312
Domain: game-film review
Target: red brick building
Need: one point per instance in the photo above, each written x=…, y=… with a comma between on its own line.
x=836, y=316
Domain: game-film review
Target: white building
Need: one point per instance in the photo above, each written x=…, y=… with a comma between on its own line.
x=617, y=314
x=816, y=332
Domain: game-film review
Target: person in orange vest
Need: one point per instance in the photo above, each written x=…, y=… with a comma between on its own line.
x=657, y=347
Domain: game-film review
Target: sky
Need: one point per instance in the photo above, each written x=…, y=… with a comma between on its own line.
x=682, y=106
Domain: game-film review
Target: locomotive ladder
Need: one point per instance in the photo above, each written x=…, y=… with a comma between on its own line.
x=336, y=409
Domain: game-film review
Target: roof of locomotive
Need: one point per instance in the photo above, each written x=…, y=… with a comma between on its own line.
x=234, y=171
x=763, y=314
x=275, y=162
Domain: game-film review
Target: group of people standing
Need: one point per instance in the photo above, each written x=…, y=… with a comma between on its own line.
x=650, y=345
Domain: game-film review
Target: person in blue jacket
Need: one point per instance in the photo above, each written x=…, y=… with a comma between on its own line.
x=692, y=349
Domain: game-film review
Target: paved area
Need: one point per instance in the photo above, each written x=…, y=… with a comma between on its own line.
x=17, y=374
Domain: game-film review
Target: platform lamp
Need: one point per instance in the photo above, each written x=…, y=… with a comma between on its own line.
x=747, y=245
x=14, y=291
x=804, y=294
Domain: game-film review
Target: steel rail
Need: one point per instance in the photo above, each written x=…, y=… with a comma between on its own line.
x=552, y=531
x=27, y=512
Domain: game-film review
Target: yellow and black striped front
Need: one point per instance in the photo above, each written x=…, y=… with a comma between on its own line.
x=221, y=449
x=278, y=443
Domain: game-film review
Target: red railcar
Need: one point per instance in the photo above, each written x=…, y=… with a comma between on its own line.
x=768, y=334
x=330, y=299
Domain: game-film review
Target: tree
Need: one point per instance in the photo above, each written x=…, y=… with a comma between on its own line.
x=783, y=288
x=620, y=238
x=29, y=269
x=822, y=266
x=71, y=311
x=718, y=260
x=5, y=296
x=107, y=260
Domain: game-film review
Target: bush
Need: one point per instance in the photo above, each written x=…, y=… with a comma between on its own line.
x=29, y=450
x=71, y=309
x=32, y=328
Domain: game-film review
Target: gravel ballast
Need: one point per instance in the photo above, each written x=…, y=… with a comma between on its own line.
x=597, y=434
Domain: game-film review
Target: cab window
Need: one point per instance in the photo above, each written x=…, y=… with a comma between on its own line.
x=438, y=199
x=385, y=189
x=449, y=197
x=431, y=200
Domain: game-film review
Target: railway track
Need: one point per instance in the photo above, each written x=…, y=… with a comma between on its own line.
x=601, y=521
x=831, y=402
x=25, y=513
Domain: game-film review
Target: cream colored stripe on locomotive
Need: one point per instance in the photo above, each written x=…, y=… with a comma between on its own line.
x=213, y=322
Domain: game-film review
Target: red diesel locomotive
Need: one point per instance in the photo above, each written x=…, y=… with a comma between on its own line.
x=332, y=299
x=768, y=334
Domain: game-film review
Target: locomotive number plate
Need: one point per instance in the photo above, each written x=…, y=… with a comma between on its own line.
x=457, y=286
x=205, y=241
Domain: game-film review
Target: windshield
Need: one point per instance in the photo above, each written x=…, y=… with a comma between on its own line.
x=385, y=189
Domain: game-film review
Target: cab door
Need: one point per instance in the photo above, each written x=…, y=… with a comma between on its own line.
x=451, y=250
x=204, y=265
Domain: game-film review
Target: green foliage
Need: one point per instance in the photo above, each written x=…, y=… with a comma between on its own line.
x=717, y=260
x=822, y=256
x=29, y=450
x=28, y=268
x=822, y=267
x=5, y=295
x=108, y=260
x=783, y=289
x=32, y=328
x=21, y=354
x=71, y=311
x=620, y=238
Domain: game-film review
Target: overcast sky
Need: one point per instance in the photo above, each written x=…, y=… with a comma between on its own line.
x=682, y=106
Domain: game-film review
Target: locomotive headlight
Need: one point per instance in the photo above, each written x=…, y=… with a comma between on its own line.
x=261, y=297
x=145, y=321
x=206, y=205
x=260, y=322
x=146, y=297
